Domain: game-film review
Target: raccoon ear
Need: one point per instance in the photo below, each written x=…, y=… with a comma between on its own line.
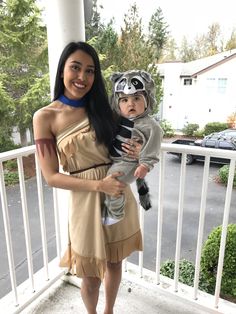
x=115, y=76
x=146, y=76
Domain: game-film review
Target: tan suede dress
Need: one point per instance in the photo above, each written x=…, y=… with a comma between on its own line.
x=92, y=244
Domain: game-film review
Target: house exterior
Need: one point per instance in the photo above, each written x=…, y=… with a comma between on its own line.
x=199, y=91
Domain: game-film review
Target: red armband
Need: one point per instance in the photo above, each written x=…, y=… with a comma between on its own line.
x=48, y=143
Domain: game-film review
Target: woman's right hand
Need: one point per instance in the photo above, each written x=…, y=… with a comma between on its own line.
x=111, y=185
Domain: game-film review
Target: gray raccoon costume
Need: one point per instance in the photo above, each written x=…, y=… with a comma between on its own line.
x=142, y=128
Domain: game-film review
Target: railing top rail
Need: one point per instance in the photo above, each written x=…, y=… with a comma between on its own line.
x=11, y=154
x=197, y=150
x=167, y=147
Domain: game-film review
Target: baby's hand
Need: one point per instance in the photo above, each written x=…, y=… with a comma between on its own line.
x=132, y=148
x=141, y=171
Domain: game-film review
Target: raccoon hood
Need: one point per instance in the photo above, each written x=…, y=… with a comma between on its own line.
x=131, y=82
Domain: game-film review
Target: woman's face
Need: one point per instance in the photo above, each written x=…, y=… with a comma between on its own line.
x=78, y=75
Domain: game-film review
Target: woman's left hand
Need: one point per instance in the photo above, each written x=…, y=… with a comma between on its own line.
x=132, y=148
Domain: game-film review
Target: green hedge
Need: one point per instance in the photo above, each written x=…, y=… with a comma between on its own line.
x=186, y=271
x=214, y=127
x=209, y=261
x=190, y=128
x=167, y=128
x=224, y=174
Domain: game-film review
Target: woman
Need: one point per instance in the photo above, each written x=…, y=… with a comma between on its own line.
x=76, y=130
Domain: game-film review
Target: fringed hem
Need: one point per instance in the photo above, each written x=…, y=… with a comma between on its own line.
x=83, y=266
x=117, y=251
x=94, y=267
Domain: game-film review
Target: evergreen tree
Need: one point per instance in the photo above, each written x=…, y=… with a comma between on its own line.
x=23, y=54
x=133, y=49
x=158, y=33
x=94, y=27
x=6, y=119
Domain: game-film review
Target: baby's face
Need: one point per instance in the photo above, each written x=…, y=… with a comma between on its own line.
x=132, y=106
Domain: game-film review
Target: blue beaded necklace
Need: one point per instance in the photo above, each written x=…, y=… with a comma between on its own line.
x=78, y=103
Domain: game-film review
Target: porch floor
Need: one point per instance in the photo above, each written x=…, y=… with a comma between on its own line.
x=64, y=297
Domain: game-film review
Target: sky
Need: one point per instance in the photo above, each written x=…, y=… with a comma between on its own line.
x=184, y=17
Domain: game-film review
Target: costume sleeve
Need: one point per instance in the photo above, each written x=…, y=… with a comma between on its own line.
x=152, y=137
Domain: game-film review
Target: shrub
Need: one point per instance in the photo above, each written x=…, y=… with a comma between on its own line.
x=7, y=144
x=186, y=271
x=167, y=128
x=10, y=165
x=11, y=178
x=209, y=261
x=224, y=174
x=190, y=128
x=199, y=133
x=214, y=127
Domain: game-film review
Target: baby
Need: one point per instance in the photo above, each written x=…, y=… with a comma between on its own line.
x=133, y=99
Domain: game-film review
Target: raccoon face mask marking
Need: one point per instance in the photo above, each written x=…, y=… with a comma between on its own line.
x=131, y=82
x=128, y=87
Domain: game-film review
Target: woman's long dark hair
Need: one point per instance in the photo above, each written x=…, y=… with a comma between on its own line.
x=98, y=109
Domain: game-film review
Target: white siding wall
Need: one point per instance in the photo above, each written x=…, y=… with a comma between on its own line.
x=201, y=102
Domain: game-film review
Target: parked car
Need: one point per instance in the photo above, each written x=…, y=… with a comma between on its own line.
x=223, y=140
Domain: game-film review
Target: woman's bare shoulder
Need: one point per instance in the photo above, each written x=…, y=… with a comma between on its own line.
x=44, y=118
x=46, y=114
x=46, y=111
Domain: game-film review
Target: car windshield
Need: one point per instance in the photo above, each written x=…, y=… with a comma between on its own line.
x=223, y=134
x=228, y=133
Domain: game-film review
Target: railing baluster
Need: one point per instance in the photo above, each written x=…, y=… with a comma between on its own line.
x=201, y=224
x=6, y=222
x=26, y=221
x=224, y=231
x=57, y=223
x=160, y=215
x=42, y=216
x=140, y=260
x=180, y=220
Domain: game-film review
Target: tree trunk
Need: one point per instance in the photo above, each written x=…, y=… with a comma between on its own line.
x=31, y=136
x=23, y=138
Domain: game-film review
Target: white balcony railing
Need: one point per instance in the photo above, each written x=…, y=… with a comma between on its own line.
x=22, y=295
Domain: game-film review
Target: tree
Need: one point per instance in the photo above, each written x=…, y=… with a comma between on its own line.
x=169, y=51
x=158, y=33
x=104, y=39
x=204, y=45
x=213, y=40
x=94, y=26
x=130, y=50
x=136, y=51
x=23, y=53
x=186, y=51
x=6, y=109
x=36, y=97
x=231, y=43
x=131, y=42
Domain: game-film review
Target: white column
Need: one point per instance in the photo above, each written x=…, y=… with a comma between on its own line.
x=65, y=23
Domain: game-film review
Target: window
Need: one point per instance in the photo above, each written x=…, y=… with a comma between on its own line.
x=210, y=143
x=214, y=85
x=210, y=84
x=188, y=81
x=225, y=145
x=222, y=84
